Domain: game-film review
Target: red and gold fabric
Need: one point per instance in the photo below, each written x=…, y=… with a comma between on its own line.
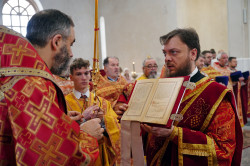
x=211, y=72
x=66, y=86
x=238, y=97
x=109, y=147
x=34, y=128
x=110, y=90
x=225, y=71
x=209, y=134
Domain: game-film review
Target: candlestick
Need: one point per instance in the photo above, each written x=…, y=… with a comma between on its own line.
x=133, y=66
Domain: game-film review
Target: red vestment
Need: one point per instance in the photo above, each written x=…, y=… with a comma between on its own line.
x=244, y=99
x=34, y=128
x=209, y=134
x=225, y=71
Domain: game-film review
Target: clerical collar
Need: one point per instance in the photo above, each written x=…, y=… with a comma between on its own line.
x=194, y=72
x=79, y=94
x=111, y=79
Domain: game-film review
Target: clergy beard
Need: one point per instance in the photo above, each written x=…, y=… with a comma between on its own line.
x=184, y=70
x=152, y=74
x=62, y=60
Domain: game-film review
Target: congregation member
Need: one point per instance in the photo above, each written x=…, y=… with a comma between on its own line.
x=232, y=64
x=82, y=101
x=208, y=57
x=35, y=127
x=149, y=67
x=210, y=132
x=127, y=75
x=239, y=87
x=110, y=85
x=208, y=70
x=222, y=67
x=222, y=63
x=200, y=62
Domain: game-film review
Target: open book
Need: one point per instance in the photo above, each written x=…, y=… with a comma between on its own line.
x=155, y=100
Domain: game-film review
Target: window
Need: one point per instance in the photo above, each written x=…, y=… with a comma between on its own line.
x=17, y=13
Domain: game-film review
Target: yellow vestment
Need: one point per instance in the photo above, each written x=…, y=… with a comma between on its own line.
x=109, y=146
x=211, y=72
x=142, y=77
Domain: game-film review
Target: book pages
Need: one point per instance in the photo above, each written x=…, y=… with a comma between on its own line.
x=138, y=99
x=153, y=100
x=160, y=107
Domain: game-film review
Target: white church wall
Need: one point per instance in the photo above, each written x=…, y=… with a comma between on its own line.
x=133, y=29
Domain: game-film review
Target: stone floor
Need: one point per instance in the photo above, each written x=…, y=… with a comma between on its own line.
x=246, y=145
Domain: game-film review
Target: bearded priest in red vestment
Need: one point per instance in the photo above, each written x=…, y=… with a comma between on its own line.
x=35, y=129
x=210, y=132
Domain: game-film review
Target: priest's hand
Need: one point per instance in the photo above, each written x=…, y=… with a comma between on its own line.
x=93, y=128
x=157, y=131
x=74, y=115
x=119, y=109
x=99, y=113
x=89, y=113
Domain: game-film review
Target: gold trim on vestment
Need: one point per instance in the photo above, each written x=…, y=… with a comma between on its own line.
x=212, y=110
x=23, y=71
x=180, y=147
x=205, y=150
x=212, y=147
x=195, y=90
x=6, y=30
x=9, y=85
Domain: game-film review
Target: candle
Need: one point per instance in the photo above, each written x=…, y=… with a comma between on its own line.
x=133, y=66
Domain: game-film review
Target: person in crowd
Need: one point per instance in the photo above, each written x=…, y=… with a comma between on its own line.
x=83, y=101
x=222, y=63
x=127, y=75
x=222, y=67
x=208, y=69
x=149, y=67
x=210, y=132
x=110, y=85
x=200, y=62
x=36, y=129
x=232, y=64
x=208, y=58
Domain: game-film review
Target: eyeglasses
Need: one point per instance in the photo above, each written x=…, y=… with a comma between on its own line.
x=151, y=67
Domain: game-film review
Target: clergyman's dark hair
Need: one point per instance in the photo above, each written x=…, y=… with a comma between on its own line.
x=188, y=36
x=46, y=24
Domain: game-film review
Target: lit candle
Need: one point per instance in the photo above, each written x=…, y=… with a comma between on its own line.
x=133, y=66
